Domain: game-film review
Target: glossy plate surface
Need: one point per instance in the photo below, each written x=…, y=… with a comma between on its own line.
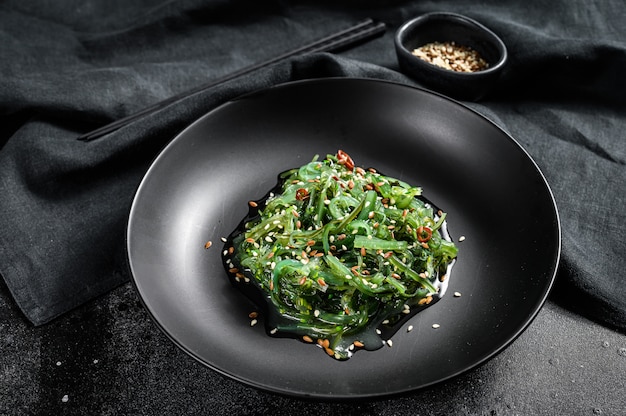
x=198, y=187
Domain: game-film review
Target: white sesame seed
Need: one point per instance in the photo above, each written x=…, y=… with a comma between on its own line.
x=462, y=238
x=378, y=331
x=253, y=322
x=65, y=398
x=410, y=328
x=223, y=239
x=436, y=326
x=457, y=294
x=273, y=331
x=389, y=343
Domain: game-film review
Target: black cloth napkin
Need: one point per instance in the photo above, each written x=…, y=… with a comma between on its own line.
x=73, y=66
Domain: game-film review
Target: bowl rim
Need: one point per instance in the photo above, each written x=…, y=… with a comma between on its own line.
x=450, y=16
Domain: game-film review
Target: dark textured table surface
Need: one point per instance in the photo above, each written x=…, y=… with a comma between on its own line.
x=108, y=358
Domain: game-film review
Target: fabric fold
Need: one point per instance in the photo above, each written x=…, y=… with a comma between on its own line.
x=64, y=203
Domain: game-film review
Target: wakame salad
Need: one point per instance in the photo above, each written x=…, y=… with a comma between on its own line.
x=340, y=254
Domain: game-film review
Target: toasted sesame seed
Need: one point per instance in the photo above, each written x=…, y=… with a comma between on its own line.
x=253, y=314
x=307, y=338
x=253, y=204
x=208, y=244
x=358, y=344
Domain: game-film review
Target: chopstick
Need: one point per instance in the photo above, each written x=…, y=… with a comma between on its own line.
x=360, y=32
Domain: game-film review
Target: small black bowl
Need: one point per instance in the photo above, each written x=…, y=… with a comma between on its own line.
x=451, y=27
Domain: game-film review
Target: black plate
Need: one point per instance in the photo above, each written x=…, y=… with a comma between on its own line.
x=197, y=190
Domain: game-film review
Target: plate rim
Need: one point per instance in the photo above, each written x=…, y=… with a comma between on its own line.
x=345, y=397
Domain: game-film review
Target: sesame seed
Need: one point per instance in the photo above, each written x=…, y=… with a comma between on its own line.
x=435, y=326
x=208, y=244
x=449, y=55
x=389, y=343
x=253, y=322
x=462, y=238
x=410, y=328
x=273, y=331
x=457, y=294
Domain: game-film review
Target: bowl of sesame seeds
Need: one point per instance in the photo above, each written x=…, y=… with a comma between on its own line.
x=451, y=53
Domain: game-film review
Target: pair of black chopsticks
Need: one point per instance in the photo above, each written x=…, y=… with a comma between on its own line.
x=351, y=36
